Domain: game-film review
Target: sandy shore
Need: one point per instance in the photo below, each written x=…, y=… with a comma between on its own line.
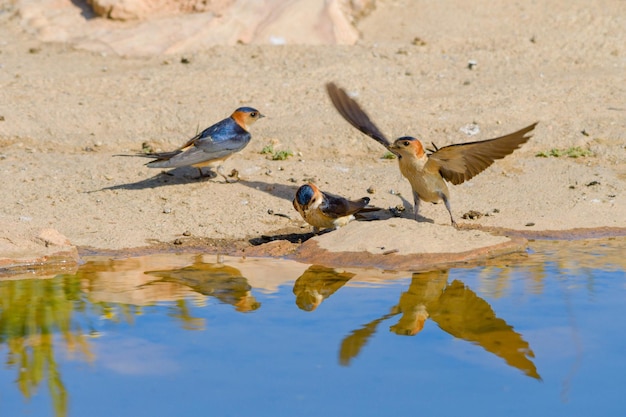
x=65, y=112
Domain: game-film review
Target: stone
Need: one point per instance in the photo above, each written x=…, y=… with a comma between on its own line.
x=404, y=244
x=26, y=251
x=148, y=27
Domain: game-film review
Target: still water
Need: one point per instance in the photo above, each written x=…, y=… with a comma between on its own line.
x=186, y=335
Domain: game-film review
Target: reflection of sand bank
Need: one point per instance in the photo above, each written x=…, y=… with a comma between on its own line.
x=124, y=280
x=550, y=257
x=143, y=281
x=265, y=274
x=134, y=280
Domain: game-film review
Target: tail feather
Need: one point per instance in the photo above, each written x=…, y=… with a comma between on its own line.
x=159, y=156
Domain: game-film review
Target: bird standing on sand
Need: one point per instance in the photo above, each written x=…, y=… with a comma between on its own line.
x=324, y=210
x=211, y=146
x=428, y=173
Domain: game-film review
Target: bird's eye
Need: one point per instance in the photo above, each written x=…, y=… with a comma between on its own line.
x=406, y=143
x=253, y=114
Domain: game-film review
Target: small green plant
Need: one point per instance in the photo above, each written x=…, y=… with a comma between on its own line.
x=281, y=155
x=572, y=152
x=276, y=155
x=388, y=155
x=146, y=148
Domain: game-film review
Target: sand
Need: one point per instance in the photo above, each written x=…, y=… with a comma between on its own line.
x=65, y=112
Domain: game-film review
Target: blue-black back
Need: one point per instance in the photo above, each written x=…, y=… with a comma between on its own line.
x=225, y=130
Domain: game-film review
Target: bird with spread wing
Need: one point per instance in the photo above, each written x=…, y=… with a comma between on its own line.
x=428, y=172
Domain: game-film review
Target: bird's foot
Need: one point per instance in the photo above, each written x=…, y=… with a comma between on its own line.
x=202, y=175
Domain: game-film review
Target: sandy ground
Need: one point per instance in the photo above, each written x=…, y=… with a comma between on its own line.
x=65, y=112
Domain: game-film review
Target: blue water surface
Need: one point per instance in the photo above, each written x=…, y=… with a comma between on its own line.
x=543, y=337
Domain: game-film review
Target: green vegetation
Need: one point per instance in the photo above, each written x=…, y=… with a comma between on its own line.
x=32, y=312
x=388, y=155
x=40, y=317
x=146, y=148
x=276, y=155
x=572, y=152
x=282, y=155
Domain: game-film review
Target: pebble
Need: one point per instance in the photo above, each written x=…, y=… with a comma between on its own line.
x=472, y=214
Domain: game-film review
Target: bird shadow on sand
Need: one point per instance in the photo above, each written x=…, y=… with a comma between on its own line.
x=284, y=191
x=176, y=176
x=290, y=237
x=405, y=210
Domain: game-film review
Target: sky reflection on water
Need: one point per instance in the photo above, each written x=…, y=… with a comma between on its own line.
x=171, y=335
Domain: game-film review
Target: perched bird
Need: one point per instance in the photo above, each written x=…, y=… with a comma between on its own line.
x=211, y=146
x=324, y=210
x=428, y=173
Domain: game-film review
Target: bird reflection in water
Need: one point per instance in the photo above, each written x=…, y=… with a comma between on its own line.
x=458, y=311
x=316, y=284
x=217, y=280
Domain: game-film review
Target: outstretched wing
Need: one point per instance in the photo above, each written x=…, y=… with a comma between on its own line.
x=352, y=112
x=460, y=162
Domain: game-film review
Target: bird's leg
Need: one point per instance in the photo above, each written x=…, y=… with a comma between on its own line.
x=447, y=203
x=416, y=205
x=316, y=230
x=203, y=174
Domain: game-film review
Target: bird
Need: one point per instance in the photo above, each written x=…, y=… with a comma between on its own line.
x=428, y=170
x=323, y=210
x=212, y=146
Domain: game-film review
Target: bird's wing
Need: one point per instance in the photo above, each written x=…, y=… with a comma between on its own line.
x=164, y=159
x=190, y=142
x=352, y=112
x=231, y=143
x=204, y=150
x=221, y=130
x=335, y=206
x=460, y=162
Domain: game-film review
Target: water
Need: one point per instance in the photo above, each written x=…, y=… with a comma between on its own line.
x=182, y=335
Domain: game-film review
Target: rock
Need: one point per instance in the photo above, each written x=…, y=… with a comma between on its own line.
x=147, y=27
x=145, y=9
x=28, y=251
x=122, y=9
x=404, y=244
